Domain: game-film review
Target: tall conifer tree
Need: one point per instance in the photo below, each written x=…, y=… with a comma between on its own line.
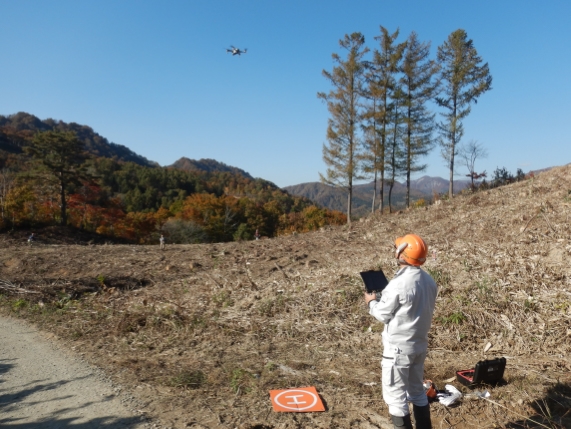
x=341, y=152
x=396, y=155
x=465, y=78
x=382, y=81
x=418, y=86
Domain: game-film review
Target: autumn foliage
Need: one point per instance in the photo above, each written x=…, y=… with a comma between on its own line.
x=127, y=197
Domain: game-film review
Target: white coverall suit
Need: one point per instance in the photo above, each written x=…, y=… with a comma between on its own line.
x=406, y=308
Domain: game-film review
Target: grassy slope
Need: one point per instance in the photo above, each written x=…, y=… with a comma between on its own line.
x=204, y=331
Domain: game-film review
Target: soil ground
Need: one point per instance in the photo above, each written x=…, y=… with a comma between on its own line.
x=43, y=386
x=201, y=333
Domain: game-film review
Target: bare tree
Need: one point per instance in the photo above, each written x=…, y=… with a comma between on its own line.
x=469, y=154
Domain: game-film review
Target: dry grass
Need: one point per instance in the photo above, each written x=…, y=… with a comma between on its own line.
x=204, y=331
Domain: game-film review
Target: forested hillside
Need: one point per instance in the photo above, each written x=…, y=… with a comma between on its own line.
x=16, y=131
x=208, y=165
x=108, y=189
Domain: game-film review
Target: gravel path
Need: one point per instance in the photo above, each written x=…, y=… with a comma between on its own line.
x=42, y=386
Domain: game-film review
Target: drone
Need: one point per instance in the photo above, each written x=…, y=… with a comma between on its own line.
x=236, y=51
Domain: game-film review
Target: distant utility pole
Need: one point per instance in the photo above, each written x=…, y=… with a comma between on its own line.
x=341, y=152
x=464, y=81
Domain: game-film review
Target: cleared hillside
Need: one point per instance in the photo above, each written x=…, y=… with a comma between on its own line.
x=203, y=332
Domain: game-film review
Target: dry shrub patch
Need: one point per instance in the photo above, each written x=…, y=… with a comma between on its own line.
x=203, y=332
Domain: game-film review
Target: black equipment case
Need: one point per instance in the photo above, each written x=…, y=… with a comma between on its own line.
x=485, y=372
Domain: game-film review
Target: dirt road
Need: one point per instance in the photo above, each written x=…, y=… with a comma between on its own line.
x=42, y=386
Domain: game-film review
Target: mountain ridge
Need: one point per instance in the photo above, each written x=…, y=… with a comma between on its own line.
x=208, y=165
x=335, y=198
x=17, y=129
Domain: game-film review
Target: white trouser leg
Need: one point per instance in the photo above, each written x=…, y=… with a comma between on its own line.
x=402, y=380
x=415, y=388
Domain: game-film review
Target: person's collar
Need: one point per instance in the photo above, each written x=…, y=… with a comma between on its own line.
x=403, y=267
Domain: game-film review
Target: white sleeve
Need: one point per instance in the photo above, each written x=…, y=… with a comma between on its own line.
x=384, y=310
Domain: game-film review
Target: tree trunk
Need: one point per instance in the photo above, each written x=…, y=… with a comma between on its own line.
x=408, y=187
x=384, y=146
x=390, y=193
x=408, y=162
x=451, y=185
x=349, y=198
x=408, y=145
x=453, y=149
x=382, y=192
x=63, y=219
x=374, y=192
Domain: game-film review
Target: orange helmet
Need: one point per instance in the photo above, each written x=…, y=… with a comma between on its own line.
x=411, y=249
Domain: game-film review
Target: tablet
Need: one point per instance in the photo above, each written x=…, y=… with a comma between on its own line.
x=375, y=281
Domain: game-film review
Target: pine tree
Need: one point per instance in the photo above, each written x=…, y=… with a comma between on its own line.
x=465, y=79
x=347, y=79
x=396, y=155
x=382, y=81
x=418, y=86
x=63, y=155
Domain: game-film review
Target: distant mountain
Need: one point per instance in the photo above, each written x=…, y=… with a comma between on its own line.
x=336, y=198
x=330, y=197
x=16, y=131
x=430, y=185
x=207, y=165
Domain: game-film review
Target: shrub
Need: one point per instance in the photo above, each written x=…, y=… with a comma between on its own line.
x=242, y=233
x=456, y=318
x=189, y=379
x=501, y=177
x=184, y=232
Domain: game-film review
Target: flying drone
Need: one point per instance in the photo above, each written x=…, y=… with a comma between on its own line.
x=236, y=51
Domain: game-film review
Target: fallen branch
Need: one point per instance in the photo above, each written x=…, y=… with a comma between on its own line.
x=281, y=270
x=528, y=222
x=8, y=286
x=548, y=223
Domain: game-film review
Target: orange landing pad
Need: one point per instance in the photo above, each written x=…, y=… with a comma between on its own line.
x=299, y=400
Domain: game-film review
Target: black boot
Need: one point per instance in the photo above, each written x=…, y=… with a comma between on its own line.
x=401, y=422
x=422, y=417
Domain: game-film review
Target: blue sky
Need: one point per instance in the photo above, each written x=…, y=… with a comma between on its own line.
x=154, y=75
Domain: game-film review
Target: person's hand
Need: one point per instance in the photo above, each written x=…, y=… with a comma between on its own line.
x=369, y=297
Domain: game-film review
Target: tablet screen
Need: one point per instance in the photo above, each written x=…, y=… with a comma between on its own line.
x=375, y=281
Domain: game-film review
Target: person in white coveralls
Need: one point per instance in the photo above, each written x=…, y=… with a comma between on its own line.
x=406, y=307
